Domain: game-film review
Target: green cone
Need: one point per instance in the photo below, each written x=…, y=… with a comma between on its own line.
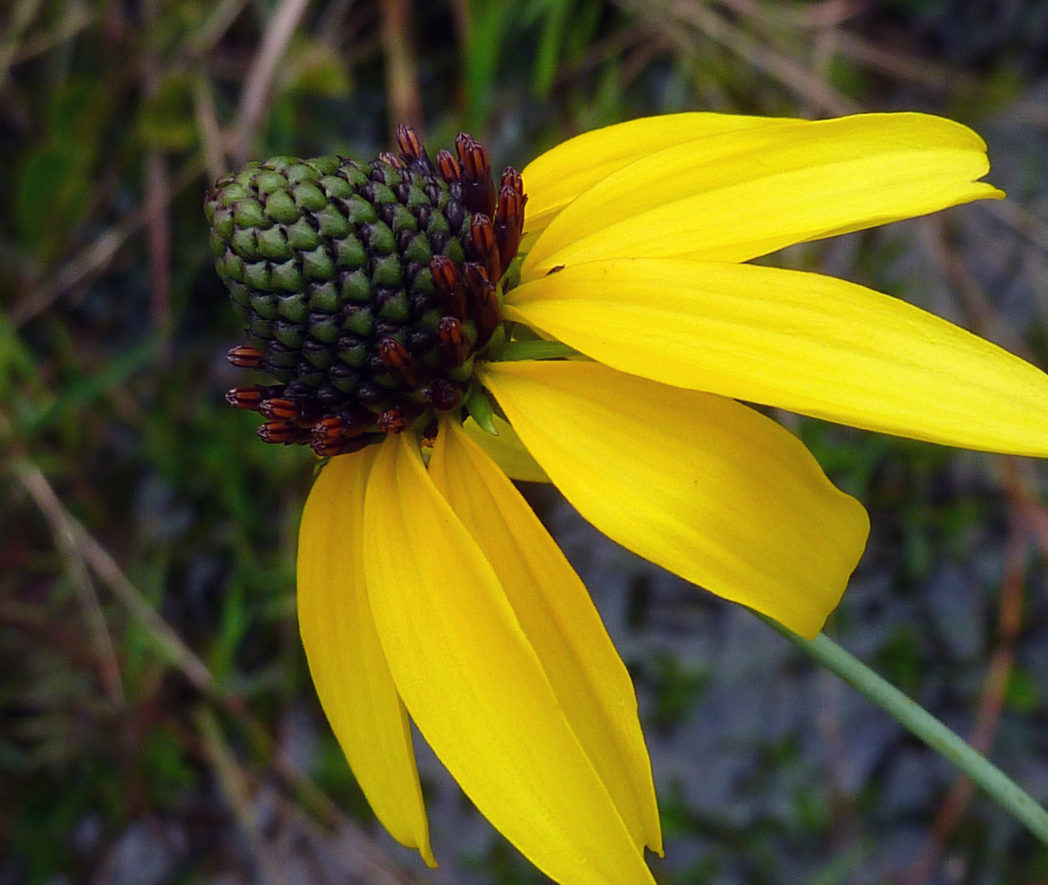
x=330, y=263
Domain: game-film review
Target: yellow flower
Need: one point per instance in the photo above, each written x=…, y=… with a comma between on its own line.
x=429, y=591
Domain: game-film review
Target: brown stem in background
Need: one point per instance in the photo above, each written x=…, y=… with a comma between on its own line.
x=254, y=102
x=211, y=146
x=158, y=224
x=159, y=239
x=92, y=260
x=693, y=15
x=402, y=92
x=361, y=856
x=36, y=484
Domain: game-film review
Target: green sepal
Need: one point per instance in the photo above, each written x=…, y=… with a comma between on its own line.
x=480, y=409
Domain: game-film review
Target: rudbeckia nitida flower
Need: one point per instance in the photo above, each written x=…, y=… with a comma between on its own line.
x=593, y=322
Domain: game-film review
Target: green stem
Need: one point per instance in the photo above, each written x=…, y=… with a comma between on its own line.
x=925, y=726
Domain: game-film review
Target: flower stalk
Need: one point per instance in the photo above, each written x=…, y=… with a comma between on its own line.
x=919, y=722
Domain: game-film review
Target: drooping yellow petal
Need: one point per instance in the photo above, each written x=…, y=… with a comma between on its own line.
x=696, y=483
x=740, y=194
x=474, y=686
x=345, y=658
x=555, y=178
x=558, y=618
x=805, y=342
x=506, y=450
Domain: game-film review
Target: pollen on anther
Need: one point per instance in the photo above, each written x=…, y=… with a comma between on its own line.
x=478, y=188
x=448, y=166
x=244, y=356
x=456, y=347
x=409, y=143
x=485, y=245
x=399, y=359
x=449, y=282
x=279, y=408
x=245, y=397
x=282, y=432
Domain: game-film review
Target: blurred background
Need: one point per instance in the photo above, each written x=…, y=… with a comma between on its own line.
x=157, y=724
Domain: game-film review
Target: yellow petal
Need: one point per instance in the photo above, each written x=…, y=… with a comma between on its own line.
x=737, y=195
x=474, y=686
x=558, y=617
x=696, y=483
x=345, y=658
x=506, y=450
x=555, y=178
x=800, y=341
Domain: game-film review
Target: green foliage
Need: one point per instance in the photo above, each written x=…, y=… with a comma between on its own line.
x=159, y=580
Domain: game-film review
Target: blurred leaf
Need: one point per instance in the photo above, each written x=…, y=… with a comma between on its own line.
x=166, y=118
x=53, y=180
x=88, y=388
x=312, y=67
x=1025, y=692
x=551, y=38
x=490, y=22
x=51, y=193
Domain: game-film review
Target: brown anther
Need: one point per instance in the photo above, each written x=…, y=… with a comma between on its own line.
x=399, y=360
x=472, y=156
x=328, y=449
x=328, y=429
x=392, y=421
x=512, y=179
x=245, y=397
x=484, y=302
x=391, y=159
x=476, y=275
x=345, y=425
x=509, y=215
x=244, y=356
x=448, y=166
x=408, y=142
x=448, y=280
x=443, y=395
x=282, y=432
x=280, y=408
x=452, y=337
x=478, y=188
x=485, y=244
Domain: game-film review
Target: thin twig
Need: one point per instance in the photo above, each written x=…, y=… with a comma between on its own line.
x=255, y=98
x=39, y=489
x=402, y=90
x=779, y=65
x=158, y=224
x=71, y=23
x=93, y=259
x=213, y=27
x=802, y=16
x=235, y=787
x=207, y=125
x=21, y=17
x=170, y=647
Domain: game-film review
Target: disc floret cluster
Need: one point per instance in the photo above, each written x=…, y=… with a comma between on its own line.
x=369, y=291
